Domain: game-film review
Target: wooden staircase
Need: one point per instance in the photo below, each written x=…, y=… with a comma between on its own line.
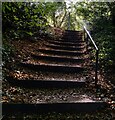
x=64, y=67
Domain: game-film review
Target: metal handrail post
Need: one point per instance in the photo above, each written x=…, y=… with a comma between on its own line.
x=87, y=42
x=96, y=68
x=96, y=55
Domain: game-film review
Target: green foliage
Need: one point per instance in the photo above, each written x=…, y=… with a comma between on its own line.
x=25, y=19
x=104, y=36
x=7, y=53
x=101, y=19
x=55, y=13
x=22, y=19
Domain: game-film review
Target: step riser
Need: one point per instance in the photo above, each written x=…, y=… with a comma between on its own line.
x=58, y=59
x=45, y=83
x=75, y=54
x=72, y=38
x=55, y=107
x=80, y=45
x=62, y=69
x=69, y=41
x=65, y=48
x=69, y=32
x=66, y=43
x=73, y=34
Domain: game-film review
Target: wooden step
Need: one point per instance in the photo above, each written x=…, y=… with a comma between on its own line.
x=65, y=47
x=67, y=40
x=67, y=43
x=54, y=107
x=84, y=105
x=47, y=100
x=72, y=38
x=37, y=83
x=73, y=31
x=62, y=52
x=79, y=45
x=44, y=76
x=58, y=58
x=53, y=67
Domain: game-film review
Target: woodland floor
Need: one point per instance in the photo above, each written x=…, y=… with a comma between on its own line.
x=21, y=51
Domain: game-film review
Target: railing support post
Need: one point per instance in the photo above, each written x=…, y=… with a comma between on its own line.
x=87, y=42
x=84, y=34
x=96, y=55
x=86, y=39
x=96, y=69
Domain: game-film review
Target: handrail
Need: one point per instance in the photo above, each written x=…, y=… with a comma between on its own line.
x=91, y=38
x=97, y=54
